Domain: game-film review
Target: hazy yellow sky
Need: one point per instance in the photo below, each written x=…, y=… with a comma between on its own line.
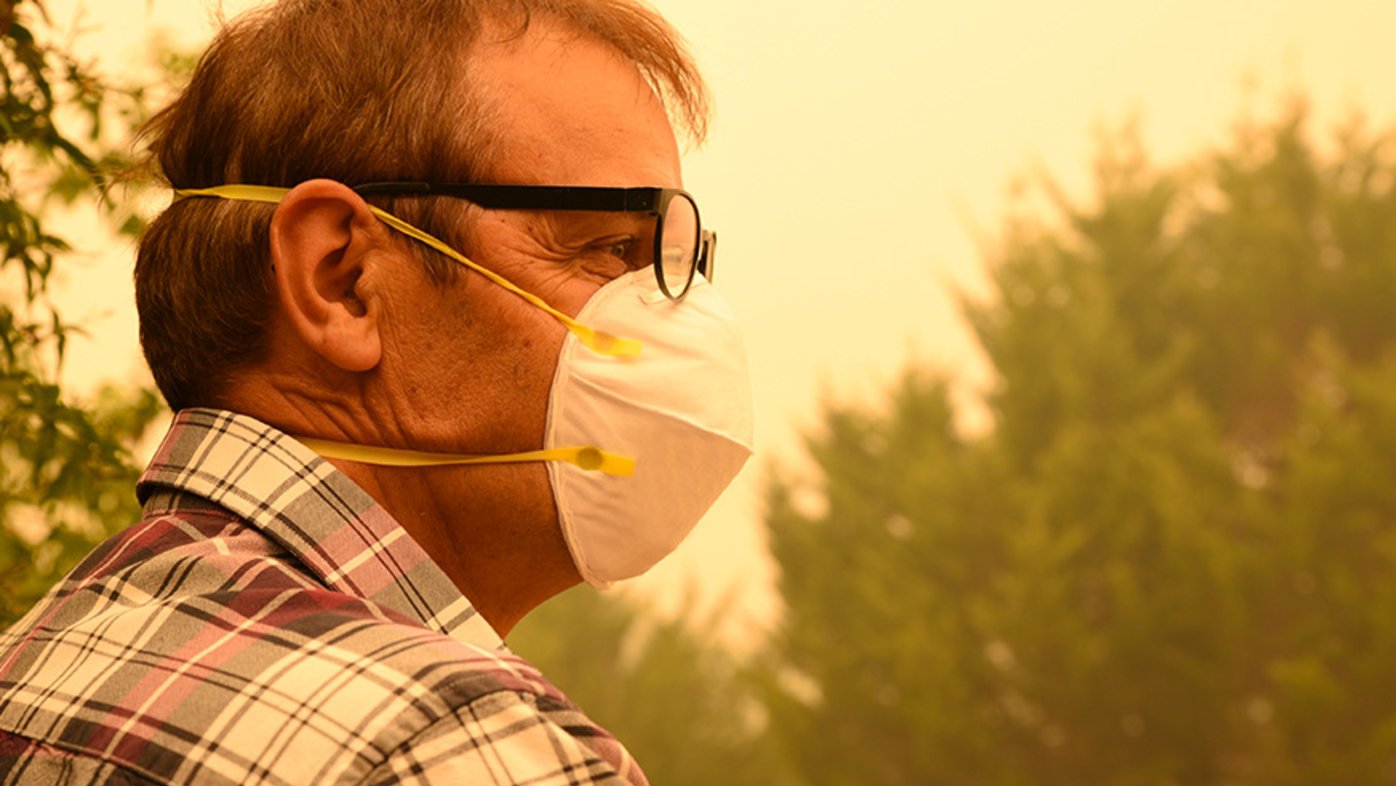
x=857, y=144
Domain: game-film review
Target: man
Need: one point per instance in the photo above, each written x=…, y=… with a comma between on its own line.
x=433, y=315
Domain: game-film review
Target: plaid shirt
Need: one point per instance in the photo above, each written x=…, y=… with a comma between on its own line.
x=267, y=622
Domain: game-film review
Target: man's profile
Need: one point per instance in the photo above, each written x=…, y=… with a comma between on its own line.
x=433, y=311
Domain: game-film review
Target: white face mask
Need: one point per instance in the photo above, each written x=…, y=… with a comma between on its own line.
x=681, y=407
x=649, y=416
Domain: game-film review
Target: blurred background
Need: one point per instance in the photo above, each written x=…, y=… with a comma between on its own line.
x=1073, y=336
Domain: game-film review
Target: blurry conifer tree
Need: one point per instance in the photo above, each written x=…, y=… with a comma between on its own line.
x=1173, y=557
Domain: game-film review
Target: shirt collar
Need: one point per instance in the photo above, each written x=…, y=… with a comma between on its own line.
x=314, y=511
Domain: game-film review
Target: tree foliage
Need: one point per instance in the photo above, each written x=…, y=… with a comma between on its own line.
x=66, y=476
x=1173, y=557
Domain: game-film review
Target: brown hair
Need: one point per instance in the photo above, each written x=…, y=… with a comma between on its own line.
x=351, y=90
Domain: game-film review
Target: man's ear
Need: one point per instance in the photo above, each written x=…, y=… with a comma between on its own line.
x=323, y=239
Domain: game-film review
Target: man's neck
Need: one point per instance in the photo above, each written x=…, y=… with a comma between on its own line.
x=487, y=527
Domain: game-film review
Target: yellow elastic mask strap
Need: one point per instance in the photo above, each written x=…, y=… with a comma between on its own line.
x=588, y=458
x=598, y=341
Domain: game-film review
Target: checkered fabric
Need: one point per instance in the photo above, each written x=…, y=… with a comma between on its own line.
x=267, y=622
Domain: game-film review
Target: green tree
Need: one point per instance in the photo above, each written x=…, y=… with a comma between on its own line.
x=1173, y=557
x=66, y=477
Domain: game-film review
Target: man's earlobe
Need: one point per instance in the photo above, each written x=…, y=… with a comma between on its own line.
x=323, y=239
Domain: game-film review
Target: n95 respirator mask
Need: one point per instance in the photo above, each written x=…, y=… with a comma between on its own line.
x=681, y=407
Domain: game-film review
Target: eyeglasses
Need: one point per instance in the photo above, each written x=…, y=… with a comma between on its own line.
x=681, y=246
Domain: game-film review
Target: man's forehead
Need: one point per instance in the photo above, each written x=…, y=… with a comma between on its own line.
x=565, y=107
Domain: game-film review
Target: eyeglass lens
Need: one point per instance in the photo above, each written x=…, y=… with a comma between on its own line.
x=678, y=245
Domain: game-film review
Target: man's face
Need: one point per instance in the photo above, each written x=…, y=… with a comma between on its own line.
x=473, y=362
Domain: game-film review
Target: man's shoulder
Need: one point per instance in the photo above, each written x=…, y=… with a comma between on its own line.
x=202, y=592
x=191, y=645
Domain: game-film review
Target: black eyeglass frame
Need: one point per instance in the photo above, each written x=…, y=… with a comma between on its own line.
x=605, y=199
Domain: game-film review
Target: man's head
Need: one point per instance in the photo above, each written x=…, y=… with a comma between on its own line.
x=315, y=317
x=353, y=91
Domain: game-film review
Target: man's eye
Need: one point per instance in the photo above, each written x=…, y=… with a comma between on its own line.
x=620, y=248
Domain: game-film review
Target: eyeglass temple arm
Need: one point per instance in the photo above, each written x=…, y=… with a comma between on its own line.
x=527, y=197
